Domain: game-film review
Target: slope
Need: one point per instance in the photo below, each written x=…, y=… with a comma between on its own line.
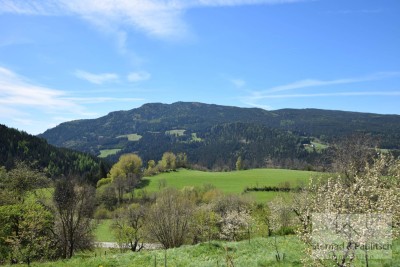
x=20, y=146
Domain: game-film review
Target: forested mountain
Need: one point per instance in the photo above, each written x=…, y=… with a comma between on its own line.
x=216, y=135
x=20, y=146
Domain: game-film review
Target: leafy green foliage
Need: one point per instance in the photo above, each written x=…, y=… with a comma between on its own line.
x=126, y=174
x=26, y=232
x=168, y=161
x=21, y=180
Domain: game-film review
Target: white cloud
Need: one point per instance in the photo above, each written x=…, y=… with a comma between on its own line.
x=24, y=103
x=96, y=78
x=138, y=76
x=159, y=18
x=17, y=90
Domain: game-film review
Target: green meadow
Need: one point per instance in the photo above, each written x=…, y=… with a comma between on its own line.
x=131, y=137
x=103, y=232
x=230, y=182
x=107, y=152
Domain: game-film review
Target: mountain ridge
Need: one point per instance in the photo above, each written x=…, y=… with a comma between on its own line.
x=187, y=126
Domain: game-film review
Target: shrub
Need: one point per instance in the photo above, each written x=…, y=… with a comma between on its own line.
x=102, y=213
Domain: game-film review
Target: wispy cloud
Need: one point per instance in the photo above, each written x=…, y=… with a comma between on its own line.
x=138, y=76
x=279, y=92
x=96, y=78
x=360, y=93
x=237, y=2
x=17, y=90
x=256, y=105
x=19, y=97
x=316, y=83
x=97, y=100
x=159, y=18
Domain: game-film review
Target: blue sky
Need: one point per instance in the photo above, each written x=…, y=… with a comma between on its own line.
x=62, y=60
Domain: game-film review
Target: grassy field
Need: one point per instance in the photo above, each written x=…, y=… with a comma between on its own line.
x=131, y=137
x=231, y=182
x=106, y=152
x=259, y=252
x=103, y=232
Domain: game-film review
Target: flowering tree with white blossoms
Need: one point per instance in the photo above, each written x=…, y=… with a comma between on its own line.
x=235, y=225
x=363, y=211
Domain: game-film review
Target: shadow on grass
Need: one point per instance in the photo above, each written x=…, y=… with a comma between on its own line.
x=143, y=183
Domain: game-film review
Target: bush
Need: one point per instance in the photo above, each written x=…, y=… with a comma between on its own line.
x=225, y=204
x=211, y=195
x=286, y=231
x=102, y=213
x=168, y=219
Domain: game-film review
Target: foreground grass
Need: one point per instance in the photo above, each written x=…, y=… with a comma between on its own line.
x=259, y=252
x=230, y=182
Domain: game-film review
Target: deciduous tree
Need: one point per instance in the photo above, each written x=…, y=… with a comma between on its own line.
x=168, y=161
x=168, y=219
x=128, y=226
x=126, y=174
x=74, y=207
x=26, y=232
x=375, y=190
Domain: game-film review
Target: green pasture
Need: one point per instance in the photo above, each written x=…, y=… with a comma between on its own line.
x=107, y=152
x=103, y=231
x=231, y=182
x=131, y=137
x=228, y=182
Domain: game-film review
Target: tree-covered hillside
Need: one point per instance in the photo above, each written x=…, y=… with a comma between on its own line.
x=20, y=146
x=213, y=134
